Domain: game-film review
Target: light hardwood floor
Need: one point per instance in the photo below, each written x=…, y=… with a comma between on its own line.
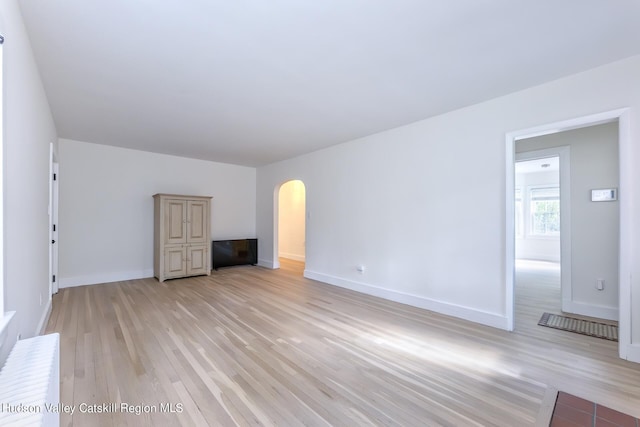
x=251, y=346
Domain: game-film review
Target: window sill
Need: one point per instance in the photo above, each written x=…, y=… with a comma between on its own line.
x=542, y=238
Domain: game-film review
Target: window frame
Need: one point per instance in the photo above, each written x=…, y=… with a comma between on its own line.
x=519, y=214
x=531, y=233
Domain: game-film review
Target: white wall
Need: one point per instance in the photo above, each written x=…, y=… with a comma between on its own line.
x=28, y=131
x=594, y=225
x=535, y=247
x=291, y=220
x=106, y=207
x=422, y=207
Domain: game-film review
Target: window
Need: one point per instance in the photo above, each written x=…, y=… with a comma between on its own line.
x=519, y=214
x=544, y=204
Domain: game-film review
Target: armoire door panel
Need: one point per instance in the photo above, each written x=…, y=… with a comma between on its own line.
x=197, y=257
x=175, y=261
x=197, y=222
x=175, y=221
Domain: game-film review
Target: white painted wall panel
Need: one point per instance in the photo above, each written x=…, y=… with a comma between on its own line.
x=423, y=206
x=28, y=131
x=106, y=207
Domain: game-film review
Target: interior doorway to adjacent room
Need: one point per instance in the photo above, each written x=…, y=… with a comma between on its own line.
x=291, y=226
x=541, y=224
x=620, y=308
x=566, y=241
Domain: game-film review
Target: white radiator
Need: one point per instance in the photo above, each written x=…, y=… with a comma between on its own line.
x=30, y=383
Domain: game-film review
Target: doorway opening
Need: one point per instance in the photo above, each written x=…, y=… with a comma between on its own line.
x=542, y=233
x=585, y=297
x=290, y=236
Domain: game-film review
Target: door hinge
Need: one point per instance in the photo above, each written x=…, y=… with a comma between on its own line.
x=55, y=177
x=54, y=227
x=54, y=278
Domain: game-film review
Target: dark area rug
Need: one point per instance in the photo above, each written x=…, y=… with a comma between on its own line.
x=580, y=326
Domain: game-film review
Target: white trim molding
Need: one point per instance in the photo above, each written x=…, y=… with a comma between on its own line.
x=294, y=257
x=627, y=349
x=267, y=263
x=42, y=325
x=8, y=334
x=590, y=310
x=5, y=321
x=95, y=279
x=441, y=307
x=632, y=352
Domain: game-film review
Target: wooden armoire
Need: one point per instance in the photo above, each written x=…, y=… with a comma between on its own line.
x=181, y=236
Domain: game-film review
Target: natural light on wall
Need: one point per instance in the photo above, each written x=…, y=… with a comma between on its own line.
x=5, y=318
x=292, y=222
x=1, y=179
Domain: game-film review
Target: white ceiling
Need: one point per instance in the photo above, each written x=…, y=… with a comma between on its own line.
x=536, y=165
x=251, y=82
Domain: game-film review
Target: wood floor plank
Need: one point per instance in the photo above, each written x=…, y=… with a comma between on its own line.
x=250, y=346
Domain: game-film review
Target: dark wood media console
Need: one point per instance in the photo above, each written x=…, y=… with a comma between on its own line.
x=227, y=253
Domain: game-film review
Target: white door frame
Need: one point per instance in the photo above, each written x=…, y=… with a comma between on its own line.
x=53, y=223
x=564, y=155
x=55, y=247
x=275, y=261
x=625, y=348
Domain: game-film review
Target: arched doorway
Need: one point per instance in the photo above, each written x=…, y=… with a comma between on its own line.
x=290, y=235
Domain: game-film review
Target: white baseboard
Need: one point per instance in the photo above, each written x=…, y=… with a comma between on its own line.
x=42, y=325
x=632, y=353
x=70, y=282
x=8, y=334
x=590, y=310
x=268, y=263
x=539, y=257
x=466, y=313
x=293, y=257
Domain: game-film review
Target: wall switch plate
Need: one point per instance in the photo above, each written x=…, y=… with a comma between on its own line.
x=600, y=284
